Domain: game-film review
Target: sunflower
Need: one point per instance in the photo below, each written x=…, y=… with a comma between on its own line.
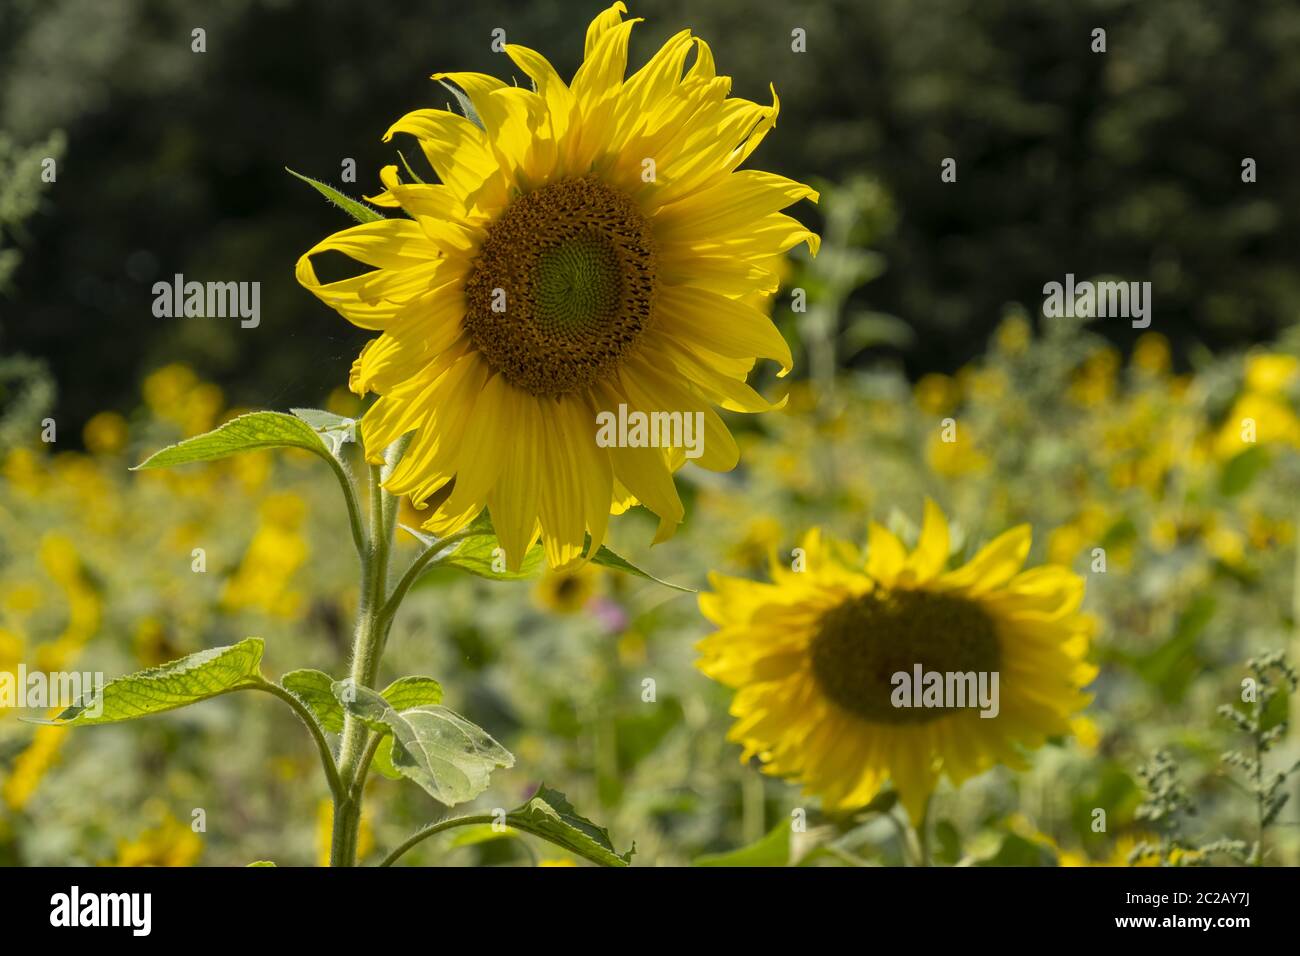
x=591, y=246
x=814, y=658
x=566, y=592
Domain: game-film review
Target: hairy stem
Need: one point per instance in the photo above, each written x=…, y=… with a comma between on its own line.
x=355, y=750
x=344, y=475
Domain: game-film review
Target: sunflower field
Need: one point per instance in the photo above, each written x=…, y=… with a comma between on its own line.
x=490, y=626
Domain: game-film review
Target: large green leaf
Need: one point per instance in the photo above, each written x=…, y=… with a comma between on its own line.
x=477, y=553
x=250, y=432
x=450, y=757
x=772, y=850
x=550, y=815
x=316, y=690
x=357, y=210
x=186, y=681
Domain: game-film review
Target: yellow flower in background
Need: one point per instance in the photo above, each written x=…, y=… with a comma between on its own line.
x=58, y=557
x=591, y=246
x=812, y=657
x=1262, y=414
x=1271, y=372
x=1151, y=354
x=1257, y=418
x=1013, y=335
x=24, y=471
x=171, y=843
x=278, y=549
x=105, y=434
x=1084, y=530
x=22, y=597
x=566, y=592
x=759, y=537
x=982, y=384
x=31, y=765
x=936, y=393
x=1118, y=855
x=1094, y=382
x=11, y=651
x=1086, y=732
x=953, y=459
x=175, y=394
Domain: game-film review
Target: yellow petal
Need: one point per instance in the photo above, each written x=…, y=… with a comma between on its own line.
x=931, y=553
x=994, y=565
x=885, y=554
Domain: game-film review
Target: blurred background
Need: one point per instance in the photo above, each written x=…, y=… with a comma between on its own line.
x=1124, y=163
x=924, y=303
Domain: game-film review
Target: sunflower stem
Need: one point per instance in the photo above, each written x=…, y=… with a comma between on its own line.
x=356, y=750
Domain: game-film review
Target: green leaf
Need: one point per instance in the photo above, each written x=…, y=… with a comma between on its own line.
x=1017, y=851
x=334, y=429
x=607, y=558
x=477, y=554
x=186, y=681
x=403, y=693
x=407, y=692
x=466, y=106
x=382, y=762
x=251, y=432
x=357, y=210
x=315, y=690
x=550, y=815
x=262, y=863
x=1240, y=471
x=450, y=757
x=772, y=850
x=947, y=843
x=640, y=731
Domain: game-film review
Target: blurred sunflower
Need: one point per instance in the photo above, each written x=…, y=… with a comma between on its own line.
x=566, y=592
x=591, y=245
x=811, y=657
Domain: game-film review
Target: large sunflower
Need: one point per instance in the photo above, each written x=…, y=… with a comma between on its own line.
x=591, y=245
x=813, y=655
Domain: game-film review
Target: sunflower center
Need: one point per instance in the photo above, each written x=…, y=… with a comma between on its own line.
x=562, y=287
x=862, y=643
